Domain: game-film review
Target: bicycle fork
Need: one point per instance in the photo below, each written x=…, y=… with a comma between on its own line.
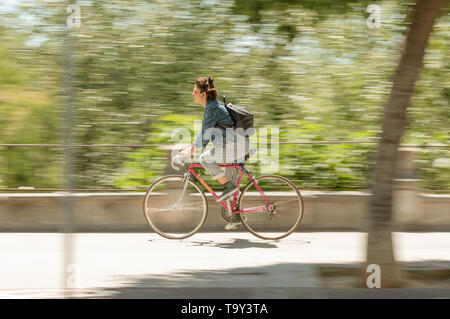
x=185, y=179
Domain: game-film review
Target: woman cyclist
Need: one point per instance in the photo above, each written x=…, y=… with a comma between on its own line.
x=229, y=147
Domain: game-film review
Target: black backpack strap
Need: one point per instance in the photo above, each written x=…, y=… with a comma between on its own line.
x=223, y=125
x=220, y=124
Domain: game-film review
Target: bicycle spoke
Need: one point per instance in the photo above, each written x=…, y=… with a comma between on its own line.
x=175, y=209
x=285, y=212
x=172, y=210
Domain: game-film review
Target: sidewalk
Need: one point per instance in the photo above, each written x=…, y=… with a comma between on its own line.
x=207, y=265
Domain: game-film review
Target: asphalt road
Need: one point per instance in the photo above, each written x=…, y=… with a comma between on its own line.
x=207, y=265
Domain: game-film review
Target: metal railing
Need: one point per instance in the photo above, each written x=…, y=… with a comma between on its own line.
x=166, y=146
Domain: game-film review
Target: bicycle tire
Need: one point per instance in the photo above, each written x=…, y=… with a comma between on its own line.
x=245, y=217
x=146, y=206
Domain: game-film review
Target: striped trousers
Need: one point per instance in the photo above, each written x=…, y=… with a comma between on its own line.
x=230, y=152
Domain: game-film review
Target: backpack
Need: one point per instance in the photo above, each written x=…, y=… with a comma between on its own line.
x=241, y=117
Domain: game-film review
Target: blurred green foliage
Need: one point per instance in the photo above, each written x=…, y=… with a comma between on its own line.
x=312, y=68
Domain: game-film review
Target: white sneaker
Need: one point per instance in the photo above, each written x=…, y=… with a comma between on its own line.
x=232, y=225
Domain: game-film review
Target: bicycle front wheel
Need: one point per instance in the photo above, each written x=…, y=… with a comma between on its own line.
x=175, y=208
x=286, y=211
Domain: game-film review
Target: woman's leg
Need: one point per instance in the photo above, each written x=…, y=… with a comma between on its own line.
x=210, y=160
x=222, y=180
x=224, y=153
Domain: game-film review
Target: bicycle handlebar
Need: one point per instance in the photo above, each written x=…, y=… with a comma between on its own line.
x=179, y=161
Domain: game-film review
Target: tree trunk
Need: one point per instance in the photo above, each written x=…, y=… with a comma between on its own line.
x=379, y=248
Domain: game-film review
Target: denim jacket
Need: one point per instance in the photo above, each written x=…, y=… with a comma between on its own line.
x=215, y=112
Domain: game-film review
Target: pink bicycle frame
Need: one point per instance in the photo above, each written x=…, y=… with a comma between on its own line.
x=234, y=202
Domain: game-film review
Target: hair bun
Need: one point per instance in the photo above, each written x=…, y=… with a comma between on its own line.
x=211, y=81
x=206, y=84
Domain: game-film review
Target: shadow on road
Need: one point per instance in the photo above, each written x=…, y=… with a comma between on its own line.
x=255, y=281
x=281, y=280
x=237, y=243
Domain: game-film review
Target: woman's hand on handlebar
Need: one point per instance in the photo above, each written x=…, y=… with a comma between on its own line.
x=187, y=152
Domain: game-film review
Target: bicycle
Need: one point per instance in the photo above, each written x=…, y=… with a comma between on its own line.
x=175, y=206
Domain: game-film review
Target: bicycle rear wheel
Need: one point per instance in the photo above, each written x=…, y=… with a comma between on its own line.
x=287, y=207
x=175, y=209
